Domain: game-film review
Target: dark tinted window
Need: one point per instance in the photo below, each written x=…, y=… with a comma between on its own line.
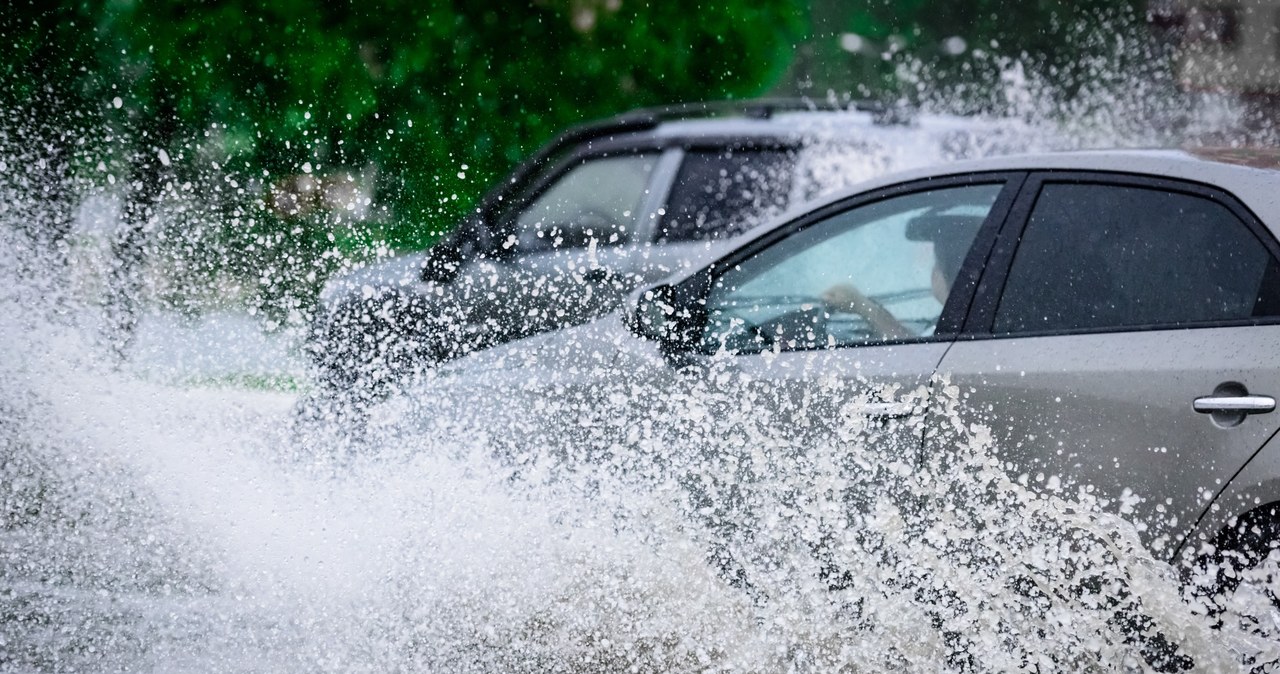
x=1103, y=256
x=722, y=193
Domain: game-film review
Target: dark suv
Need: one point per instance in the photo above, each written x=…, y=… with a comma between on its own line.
x=606, y=207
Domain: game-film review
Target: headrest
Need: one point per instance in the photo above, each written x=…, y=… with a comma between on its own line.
x=937, y=227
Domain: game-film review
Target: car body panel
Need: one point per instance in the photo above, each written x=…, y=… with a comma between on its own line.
x=545, y=291
x=1114, y=411
x=397, y=271
x=1256, y=484
x=817, y=394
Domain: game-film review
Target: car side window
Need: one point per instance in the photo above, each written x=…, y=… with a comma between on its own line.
x=874, y=273
x=596, y=201
x=725, y=192
x=1096, y=256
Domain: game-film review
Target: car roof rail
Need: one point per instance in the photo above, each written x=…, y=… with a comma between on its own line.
x=642, y=119
x=754, y=108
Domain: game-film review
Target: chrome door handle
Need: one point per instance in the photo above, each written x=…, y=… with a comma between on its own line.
x=886, y=410
x=1248, y=404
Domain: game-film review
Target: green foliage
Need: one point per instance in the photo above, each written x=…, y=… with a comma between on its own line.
x=432, y=101
x=417, y=89
x=227, y=104
x=1067, y=42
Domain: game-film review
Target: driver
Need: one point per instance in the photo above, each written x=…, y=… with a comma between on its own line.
x=951, y=236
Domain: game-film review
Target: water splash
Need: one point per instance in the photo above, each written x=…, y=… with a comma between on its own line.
x=158, y=528
x=507, y=525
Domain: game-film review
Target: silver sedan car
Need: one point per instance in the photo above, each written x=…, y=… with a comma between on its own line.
x=1112, y=317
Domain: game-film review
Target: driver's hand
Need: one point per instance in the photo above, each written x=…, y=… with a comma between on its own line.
x=845, y=298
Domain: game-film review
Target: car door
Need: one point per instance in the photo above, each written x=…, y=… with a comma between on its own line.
x=790, y=392
x=557, y=254
x=1125, y=341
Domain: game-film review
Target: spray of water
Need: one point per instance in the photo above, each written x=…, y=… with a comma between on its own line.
x=512, y=523
x=149, y=527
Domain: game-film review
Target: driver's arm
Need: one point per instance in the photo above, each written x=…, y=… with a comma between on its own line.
x=845, y=298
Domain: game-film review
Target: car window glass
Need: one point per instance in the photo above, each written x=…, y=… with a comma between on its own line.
x=722, y=193
x=877, y=272
x=1105, y=256
x=596, y=201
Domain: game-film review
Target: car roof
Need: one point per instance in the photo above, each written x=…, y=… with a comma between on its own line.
x=1252, y=175
x=793, y=122
x=825, y=124
x=784, y=120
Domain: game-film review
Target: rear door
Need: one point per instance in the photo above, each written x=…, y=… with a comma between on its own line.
x=1126, y=341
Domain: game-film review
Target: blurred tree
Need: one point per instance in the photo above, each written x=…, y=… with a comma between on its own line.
x=428, y=100
x=440, y=97
x=962, y=44
x=437, y=98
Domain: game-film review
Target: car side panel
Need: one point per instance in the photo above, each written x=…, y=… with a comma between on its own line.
x=1114, y=411
x=818, y=394
x=1256, y=485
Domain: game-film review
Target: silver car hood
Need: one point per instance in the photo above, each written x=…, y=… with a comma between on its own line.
x=403, y=270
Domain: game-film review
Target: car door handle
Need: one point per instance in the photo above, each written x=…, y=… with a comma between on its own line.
x=1249, y=404
x=886, y=410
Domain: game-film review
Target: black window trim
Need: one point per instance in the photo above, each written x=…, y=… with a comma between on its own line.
x=712, y=143
x=980, y=323
x=503, y=214
x=498, y=217
x=731, y=143
x=692, y=291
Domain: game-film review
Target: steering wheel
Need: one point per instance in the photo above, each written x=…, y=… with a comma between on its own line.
x=812, y=324
x=807, y=324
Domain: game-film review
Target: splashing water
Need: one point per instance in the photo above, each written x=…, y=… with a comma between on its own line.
x=156, y=528
x=502, y=525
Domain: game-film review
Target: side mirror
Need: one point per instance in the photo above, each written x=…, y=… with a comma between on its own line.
x=445, y=260
x=657, y=314
x=443, y=263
